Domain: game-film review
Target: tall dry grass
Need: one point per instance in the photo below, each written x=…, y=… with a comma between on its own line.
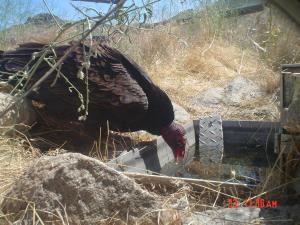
x=14, y=158
x=279, y=36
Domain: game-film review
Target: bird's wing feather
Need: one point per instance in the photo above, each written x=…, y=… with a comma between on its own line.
x=111, y=87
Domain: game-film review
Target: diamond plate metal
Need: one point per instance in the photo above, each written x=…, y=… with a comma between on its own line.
x=211, y=145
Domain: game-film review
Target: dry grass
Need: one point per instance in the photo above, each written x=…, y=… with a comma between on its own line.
x=14, y=158
x=279, y=36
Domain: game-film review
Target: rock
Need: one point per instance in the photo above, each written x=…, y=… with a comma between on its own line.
x=226, y=216
x=181, y=115
x=20, y=116
x=285, y=215
x=237, y=91
x=241, y=89
x=210, y=98
x=89, y=190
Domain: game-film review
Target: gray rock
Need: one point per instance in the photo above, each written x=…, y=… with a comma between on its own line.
x=241, y=89
x=238, y=90
x=210, y=98
x=20, y=116
x=181, y=115
x=89, y=191
x=228, y=216
x=285, y=215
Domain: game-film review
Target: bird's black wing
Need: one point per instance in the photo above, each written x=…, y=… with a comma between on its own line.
x=114, y=94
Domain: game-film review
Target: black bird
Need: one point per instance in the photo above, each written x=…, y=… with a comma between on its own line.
x=118, y=91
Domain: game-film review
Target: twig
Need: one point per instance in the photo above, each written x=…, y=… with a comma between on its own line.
x=80, y=11
x=257, y=45
x=213, y=186
x=218, y=194
x=49, y=10
x=5, y=217
x=241, y=63
x=67, y=81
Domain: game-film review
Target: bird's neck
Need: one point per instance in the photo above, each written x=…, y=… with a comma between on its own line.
x=160, y=112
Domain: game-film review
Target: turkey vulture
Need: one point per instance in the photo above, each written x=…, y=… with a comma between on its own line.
x=119, y=91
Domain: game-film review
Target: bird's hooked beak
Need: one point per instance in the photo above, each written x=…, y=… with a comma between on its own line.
x=174, y=135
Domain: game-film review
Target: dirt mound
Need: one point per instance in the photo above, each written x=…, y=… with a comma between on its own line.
x=76, y=188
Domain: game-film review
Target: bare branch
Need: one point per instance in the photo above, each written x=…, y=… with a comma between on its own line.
x=49, y=10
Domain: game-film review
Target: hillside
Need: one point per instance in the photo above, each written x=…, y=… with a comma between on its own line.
x=36, y=26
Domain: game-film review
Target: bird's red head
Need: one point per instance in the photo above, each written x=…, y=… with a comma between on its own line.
x=174, y=135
